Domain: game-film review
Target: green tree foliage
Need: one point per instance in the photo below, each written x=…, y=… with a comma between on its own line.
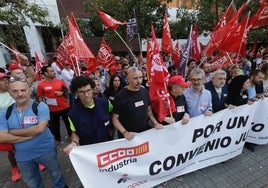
x=15, y=14
x=148, y=12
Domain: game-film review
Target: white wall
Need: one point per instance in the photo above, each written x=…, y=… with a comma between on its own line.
x=33, y=35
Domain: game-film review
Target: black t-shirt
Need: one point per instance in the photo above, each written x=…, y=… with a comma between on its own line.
x=132, y=107
x=181, y=108
x=237, y=100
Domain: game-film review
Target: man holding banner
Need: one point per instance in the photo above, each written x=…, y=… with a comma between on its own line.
x=132, y=107
x=90, y=117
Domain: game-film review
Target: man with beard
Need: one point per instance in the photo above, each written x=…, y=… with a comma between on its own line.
x=256, y=78
x=198, y=99
x=28, y=131
x=218, y=89
x=132, y=107
x=53, y=92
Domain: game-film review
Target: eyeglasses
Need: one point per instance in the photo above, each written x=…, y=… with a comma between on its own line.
x=15, y=79
x=89, y=91
x=196, y=80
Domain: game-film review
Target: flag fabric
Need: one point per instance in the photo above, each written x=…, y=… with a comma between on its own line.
x=227, y=16
x=38, y=66
x=105, y=56
x=176, y=55
x=80, y=49
x=237, y=39
x=195, y=51
x=181, y=67
x=260, y=18
x=132, y=27
x=220, y=34
x=65, y=50
x=221, y=61
x=253, y=49
x=161, y=102
x=167, y=45
x=108, y=21
x=15, y=55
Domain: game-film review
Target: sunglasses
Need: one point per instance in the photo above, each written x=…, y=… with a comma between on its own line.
x=17, y=79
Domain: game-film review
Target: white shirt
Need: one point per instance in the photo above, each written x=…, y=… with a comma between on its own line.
x=57, y=70
x=5, y=100
x=67, y=76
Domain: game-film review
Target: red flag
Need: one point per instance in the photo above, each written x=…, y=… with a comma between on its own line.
x=65, y=50
x=260, y=18
x=81, y=50
x=227, y=16
x=195, y=52
x=15, y=55
x=108, y=21
x=38, y=66
x=253, y=50
x=161, y=101
x=265, y=51
x=237, y=39
x=105, y=56
x=221, y=61
x=167, y=46
x=176, y=55
x=219, y=35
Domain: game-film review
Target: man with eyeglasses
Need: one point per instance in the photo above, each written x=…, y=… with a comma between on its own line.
x=53, y=92
x=33, y=142
x=90, y=116
x=198, y=99
x=6, y=100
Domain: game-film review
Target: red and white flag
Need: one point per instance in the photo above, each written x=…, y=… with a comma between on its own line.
x=161, y=102
x=195, y=51
x=105, y=56
x=15, y=55
x=236, y=40
x=260, y=18
x=81, y=50
x=227, y=16
x=108, y=21
x=176, y=55
x=167, y=46
x=220, y=34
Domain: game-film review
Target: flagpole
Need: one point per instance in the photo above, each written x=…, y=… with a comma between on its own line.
x=229, y=57
x=138, y=33
x=168, y=94
x=9, y=48
x=134, y=58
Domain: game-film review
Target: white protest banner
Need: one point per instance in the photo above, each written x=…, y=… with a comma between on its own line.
x=259, y=131
x=155, y=155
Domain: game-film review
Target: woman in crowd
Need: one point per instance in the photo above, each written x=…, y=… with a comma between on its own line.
x=238, y=95
x=114, y=87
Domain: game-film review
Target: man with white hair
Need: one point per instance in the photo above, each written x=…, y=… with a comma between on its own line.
x=218, y=89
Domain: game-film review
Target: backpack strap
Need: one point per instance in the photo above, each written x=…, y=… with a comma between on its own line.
x=34, y=108
x=9, y=110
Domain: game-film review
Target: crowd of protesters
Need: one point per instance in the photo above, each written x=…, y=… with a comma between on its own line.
x=107, y=104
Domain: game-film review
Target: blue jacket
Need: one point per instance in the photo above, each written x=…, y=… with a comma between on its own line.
x=217, y=103
x=92, y=124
